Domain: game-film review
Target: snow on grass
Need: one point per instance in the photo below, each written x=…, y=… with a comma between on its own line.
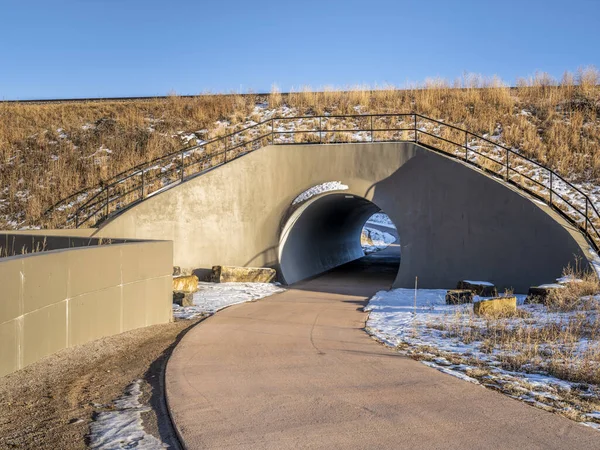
x=211, y=297
x=382, y=220
x=120, y=425
x=430, y=331
x=373, y=240
x=595, y=262
x=448, y=371
x=286, y=124
x=320, y=189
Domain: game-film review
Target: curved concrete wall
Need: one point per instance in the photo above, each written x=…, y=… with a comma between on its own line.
x=61, y=298
x=454, y=222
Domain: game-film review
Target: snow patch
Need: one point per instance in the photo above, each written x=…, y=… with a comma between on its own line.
x=211, y=297
x=121, y=427
x=382, y=220
x=373, y=240
x=448, y=371
x=320, y=189
x=424, y=327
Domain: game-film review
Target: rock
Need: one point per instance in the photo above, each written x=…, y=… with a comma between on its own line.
x=183, y=298
x=185, y=283
x=496, y=306
x=176, y=271
x=224, y=274
x=459, y=296
x=481, y=288
x=540, y=294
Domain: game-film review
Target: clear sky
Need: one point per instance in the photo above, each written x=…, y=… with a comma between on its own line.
x=101, y=48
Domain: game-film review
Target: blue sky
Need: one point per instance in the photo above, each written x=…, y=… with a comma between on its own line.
x=99, y=48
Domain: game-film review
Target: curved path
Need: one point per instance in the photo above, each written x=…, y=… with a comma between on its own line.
x=296, y=370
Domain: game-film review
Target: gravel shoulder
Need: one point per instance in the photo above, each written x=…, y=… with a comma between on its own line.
x=50, y=404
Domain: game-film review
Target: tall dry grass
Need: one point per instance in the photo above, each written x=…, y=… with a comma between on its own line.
x=51, y=150
x=563, y=343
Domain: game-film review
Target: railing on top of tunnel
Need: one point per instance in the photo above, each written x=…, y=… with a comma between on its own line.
x=92, y=206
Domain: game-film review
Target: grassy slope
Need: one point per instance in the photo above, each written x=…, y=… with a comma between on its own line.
x=48, y=151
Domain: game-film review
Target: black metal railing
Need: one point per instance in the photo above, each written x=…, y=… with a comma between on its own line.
x=92, y=206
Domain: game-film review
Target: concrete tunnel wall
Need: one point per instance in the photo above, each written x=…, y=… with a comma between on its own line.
x=322, y=234
x=454, y=222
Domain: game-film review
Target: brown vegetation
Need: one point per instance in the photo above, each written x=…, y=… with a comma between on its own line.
x=539, y=342
x=51, y=150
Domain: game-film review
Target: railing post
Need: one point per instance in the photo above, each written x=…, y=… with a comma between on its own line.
x=372, y=128
x=320, y=129
x=77, y=218
x=550, y=188
x=416, y=137
x=466, y=145
x=506, y=175
x=586, y=214
x=225, y=139
x=182, y=166
x=106, y=206
x=143, y=184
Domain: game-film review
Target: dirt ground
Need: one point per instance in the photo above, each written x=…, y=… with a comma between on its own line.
x=50, y=404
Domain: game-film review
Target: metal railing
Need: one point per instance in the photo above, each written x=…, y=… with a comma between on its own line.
x=92, y=206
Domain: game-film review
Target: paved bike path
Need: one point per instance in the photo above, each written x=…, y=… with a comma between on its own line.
x=297, y=370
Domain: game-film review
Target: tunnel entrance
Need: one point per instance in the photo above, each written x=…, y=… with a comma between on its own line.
x=328, y=231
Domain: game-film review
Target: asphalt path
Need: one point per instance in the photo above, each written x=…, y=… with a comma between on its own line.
x=297, y=370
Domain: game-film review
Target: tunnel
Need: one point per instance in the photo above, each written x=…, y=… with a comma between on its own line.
x=454, y=222
x=324, y=233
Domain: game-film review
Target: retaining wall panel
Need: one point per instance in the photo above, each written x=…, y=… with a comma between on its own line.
x=9, y=346
x=11, y=302
x=95, y=315
x=45, y=280
x=44, y=332
x=144, y=261
x=135, y=305
x=96, y=270
x=157, y=309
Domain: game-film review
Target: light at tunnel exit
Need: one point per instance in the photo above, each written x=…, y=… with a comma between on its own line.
x=378, y=233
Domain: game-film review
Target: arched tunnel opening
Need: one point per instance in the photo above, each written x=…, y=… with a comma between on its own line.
x=331, y=230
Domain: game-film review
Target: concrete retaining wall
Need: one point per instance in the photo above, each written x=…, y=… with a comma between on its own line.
x=62, y=298
x=20, y=243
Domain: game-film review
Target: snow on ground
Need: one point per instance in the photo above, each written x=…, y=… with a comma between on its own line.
x=373, y=240
x=211, y=297
x=423, y=330
x=120, y=425
x=320, y=189
x=382, y=220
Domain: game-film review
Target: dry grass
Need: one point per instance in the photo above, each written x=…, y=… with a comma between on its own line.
x=49, y=151
x=577, y=295
x=527, y=342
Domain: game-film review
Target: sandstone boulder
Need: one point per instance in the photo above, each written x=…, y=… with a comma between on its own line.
x=459, y=296
x=496, y=306
x=183, y=298
x=224, y=274
x=540, y=294
x=185, y=283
